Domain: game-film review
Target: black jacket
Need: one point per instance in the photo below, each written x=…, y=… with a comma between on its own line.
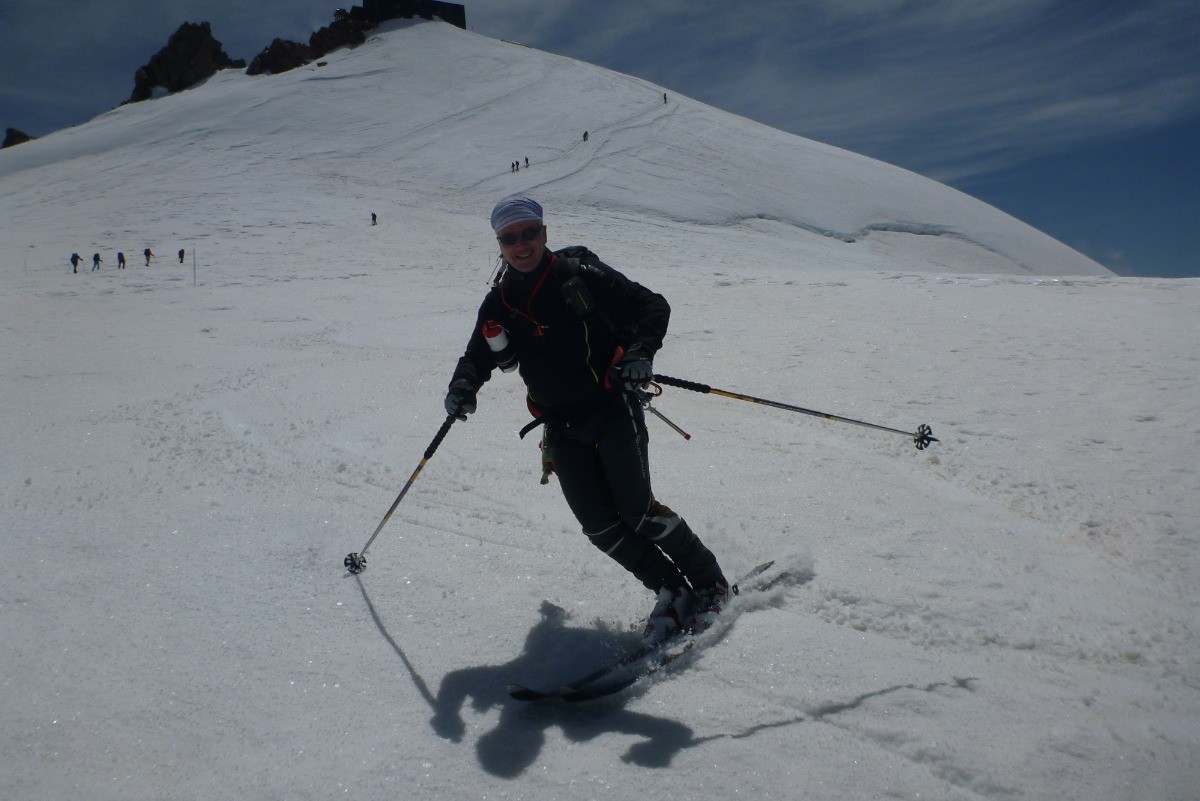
x=563, y=352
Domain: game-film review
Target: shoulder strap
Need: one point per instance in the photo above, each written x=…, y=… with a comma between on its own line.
x=575, y=290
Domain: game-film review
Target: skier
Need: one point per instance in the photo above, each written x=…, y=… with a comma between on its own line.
x=120, y=260
x=75, y=259
x=149, y=255
x=582, y=372
x=96, y=261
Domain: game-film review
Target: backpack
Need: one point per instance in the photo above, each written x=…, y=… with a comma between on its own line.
x=576, y=265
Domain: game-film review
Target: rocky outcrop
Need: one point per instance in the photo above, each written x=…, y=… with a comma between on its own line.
x=191, y=55
x=283, y=55
x=344, y=31
x=14, y=137
x=280, y=56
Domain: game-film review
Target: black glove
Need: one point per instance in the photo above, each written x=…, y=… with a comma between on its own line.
x=460, y=400
x=634, y=369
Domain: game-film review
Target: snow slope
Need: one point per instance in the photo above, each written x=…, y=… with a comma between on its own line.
x=1010, y=614
x=428, y=118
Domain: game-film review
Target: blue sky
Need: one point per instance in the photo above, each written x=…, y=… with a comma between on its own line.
x=1079, y=117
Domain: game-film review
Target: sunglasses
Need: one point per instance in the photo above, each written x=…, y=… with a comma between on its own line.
x=528, y=235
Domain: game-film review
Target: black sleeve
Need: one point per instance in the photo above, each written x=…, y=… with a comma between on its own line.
x=646, y=313
x=477, y=362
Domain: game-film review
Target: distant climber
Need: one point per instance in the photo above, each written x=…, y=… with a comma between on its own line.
x=120, y=260
x=149, y=255
x=585, y=136
x=374, y=219
x=181, y=255
x=96, y=261
x=75, y=259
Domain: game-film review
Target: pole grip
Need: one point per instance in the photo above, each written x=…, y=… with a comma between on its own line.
x=441, y=435
x=694, y=386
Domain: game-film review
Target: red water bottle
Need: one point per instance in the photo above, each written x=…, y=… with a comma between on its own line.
x=497, y=339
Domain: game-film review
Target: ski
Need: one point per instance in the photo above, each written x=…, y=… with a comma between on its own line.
x=628, y=674
x=629, y=668
x=633, y=665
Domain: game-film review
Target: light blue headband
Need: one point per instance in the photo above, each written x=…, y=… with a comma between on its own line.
x=515, y=209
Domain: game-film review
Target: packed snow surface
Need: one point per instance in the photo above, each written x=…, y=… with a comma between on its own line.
x=194, y=447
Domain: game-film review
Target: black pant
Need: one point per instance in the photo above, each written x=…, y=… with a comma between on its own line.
x=601, y=458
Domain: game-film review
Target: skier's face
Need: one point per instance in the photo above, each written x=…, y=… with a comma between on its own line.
x=528, y=245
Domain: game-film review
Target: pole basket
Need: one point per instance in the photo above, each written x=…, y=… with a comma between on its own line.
x=924, y=437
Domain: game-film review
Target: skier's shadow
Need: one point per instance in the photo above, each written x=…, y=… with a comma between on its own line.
x=553, y=654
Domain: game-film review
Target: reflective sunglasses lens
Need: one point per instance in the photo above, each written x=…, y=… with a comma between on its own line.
x=528, y=235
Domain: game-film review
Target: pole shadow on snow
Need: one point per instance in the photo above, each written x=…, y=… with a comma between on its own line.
x=554, y=653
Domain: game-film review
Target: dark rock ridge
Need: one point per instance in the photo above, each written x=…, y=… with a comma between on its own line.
x=192, y=53
x=14, y=137
x=191, y=56
x=283, y=55
x=349, y=29
x=280, y=56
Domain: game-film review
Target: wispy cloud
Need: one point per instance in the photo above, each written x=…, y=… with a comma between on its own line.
x=951, y=88
x=66, y=61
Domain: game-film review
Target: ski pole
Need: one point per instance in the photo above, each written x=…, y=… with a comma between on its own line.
x=357, y=562
x=922, y=437
x=648, y=393
x=663, y=417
